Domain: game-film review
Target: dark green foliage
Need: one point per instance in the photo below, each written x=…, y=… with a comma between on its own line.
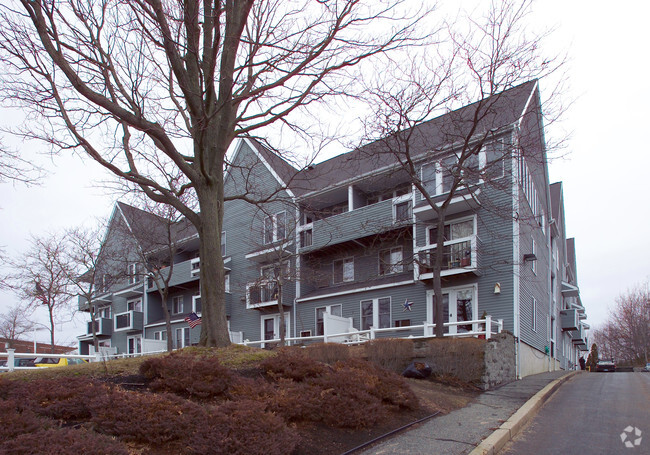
x=145, y=417
x=194, y=376
x=63, y=441
x=292, y=363
x=592, y=359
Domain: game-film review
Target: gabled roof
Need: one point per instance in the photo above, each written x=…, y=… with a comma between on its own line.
x=150, y=230
x=495, y=113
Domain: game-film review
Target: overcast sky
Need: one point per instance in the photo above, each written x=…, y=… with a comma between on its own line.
x=605, y=172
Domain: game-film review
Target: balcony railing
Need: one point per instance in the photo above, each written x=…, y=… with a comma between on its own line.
x=261, y=294
x=457, y=256
x=129, y=320
x=103, y=326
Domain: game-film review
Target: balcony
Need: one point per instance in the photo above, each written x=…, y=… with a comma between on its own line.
x=355, y=224
x=103, y=327
x=569, y=320
x=458, y=256
x=97, y=299
x=129, y=320
x=261, y=294
x=464, y=200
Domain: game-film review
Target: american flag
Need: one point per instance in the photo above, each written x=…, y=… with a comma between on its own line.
x=193, y=320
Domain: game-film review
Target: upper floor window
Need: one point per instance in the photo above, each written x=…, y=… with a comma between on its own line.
x=223, y=243
x=454, y=230
x=494, y=157
x=306, y=238
x=390, y=261
x=533, y=263
x=133, y=273
x=177, y=304
x=196, y=303
x=134, y=305
x=343, y=270
x=534, y=315
x=402, y=211
x=104, y=312
x=275, y=227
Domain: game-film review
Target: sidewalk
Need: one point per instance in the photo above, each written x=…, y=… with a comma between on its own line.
x=460, y=431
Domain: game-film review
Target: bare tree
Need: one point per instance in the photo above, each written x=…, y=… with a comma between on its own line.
x=146, y=86
x=482, y=62
x=82, y=265
x=626, y=334
x=43, y=281
x=15, y=323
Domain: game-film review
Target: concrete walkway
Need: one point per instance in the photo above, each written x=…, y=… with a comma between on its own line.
x=461, y=431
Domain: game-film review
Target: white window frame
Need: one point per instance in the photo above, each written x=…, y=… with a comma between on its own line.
x=133, y=273
x=406, y=199
x=196, y=297
x=375, y=313
x=132, y=305
x=185, y=339
x=533, y=263
x=160, y=335
x=276, y=324
x=273, y=224
x=453, y=292
x=105, y=312
x=226, y=282
x=137, y=344
x=498, y=146
x=391, y=267
x=449, y=223
x=534, y=315
x=195, y=266
x=223, y=244
x=342, y=263
x=327, y=309
x=181, y=299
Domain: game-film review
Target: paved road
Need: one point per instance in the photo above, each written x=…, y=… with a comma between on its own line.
x=587, y=415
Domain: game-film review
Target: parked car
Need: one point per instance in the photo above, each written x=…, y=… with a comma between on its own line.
x=646, y=368
x=606, y=365
x=18, y=363
x=49, y=362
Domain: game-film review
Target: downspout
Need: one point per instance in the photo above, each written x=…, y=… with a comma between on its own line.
x=516, y=261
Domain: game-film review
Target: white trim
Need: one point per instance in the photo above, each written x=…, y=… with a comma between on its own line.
x=157, y=324
x=276, y=325
x=132, y=288
x=516, y=262
x=375, y=312
x=275, y=175
x=354, y=291
x=449, y=290
x=469, y=197
x=528, y=101
x=268, y=250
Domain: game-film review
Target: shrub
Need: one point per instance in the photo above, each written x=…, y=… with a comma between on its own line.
x=461, y=358
x=243, y=428
x=391, y=353
x=329, y=353
x=187, y=374
x=14, y=421
x=60, y=398
x=292, y=363
x=145, y=417
x=387, y=386
x=64, y=441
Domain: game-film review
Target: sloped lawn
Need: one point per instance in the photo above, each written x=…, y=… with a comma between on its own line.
x=208, y=401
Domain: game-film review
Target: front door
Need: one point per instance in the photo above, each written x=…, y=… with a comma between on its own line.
x=463, y=308
x=271, y=326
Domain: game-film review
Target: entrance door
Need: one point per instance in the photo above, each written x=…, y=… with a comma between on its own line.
x=271, y=326
x=463, y=308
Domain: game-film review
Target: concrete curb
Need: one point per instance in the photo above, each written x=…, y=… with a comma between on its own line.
x=499, y=438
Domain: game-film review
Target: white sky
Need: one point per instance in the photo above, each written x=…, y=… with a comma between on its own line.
x=607, y=205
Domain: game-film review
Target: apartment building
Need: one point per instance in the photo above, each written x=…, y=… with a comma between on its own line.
x=353, y=239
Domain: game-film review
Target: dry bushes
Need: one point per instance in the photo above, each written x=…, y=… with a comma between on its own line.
x=461, y=358
x=193, y=376
x=394, y=354
x=63, y=441
x=329, y=353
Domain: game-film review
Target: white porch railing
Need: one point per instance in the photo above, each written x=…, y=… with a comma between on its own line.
x=480, y=327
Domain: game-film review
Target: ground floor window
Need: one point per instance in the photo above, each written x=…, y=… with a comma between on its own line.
x=271, y=326
x=181, y=337
x=134, y=345
x=335, y=310
x=375, y=313
x=160, y=335
x=458, y=305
